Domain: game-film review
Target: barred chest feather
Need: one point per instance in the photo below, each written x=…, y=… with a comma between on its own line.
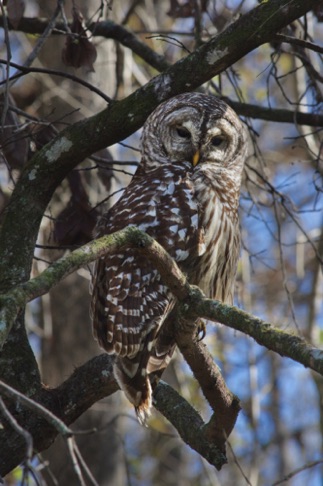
x=218, y=201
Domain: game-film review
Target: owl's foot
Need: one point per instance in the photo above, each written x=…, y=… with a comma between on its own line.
x=201, y=330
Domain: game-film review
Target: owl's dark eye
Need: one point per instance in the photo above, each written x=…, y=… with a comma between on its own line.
x=183, y=132
x=216, y=141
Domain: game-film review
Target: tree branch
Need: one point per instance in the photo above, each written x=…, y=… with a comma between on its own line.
x=188, y=423
x=16, y=299
x=68, y=401
x=106, y=28
x=264, y=333
x=225, y=405
x=276, y=114
x=111, y=30
x=298, y=42
x=26, y=70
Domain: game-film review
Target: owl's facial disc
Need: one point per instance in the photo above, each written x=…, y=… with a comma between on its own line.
x=198, y=137
x=194, y=129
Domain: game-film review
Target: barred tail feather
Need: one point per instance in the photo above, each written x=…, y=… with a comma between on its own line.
x=134, y=382
x=143, y=410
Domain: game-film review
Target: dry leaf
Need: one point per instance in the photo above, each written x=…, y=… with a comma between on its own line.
x=13, y=142
x=79, y=50
x=75, y=224
x=185, y=9
x=15, y=11
x=318, y=12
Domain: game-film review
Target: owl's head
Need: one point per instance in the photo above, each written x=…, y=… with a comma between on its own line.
x=195, y=128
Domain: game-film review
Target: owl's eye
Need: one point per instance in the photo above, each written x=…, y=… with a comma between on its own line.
x=183, y=132
x=216, y=141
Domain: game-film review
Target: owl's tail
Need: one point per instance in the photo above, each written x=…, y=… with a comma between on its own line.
x=134, y=382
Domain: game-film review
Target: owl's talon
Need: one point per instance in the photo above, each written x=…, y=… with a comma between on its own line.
x=201, y=329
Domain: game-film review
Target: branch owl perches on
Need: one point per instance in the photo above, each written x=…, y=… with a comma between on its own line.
x=185, y=194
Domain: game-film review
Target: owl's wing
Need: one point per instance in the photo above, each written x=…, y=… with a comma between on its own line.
x=128, y=302
x=128, y=297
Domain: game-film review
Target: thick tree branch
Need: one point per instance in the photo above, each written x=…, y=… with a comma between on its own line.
x=276, y=114
x=70, y=400
x=188, y=423
x=224, y=403
x=106, y=28
x=111, y=30
x=243, y=109
x=67, y=402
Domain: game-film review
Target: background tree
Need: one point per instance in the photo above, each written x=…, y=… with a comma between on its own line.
x=266, y=61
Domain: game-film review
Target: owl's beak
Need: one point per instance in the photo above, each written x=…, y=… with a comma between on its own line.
x=196, y=158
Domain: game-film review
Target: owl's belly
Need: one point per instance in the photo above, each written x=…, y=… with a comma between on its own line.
x=216, y=268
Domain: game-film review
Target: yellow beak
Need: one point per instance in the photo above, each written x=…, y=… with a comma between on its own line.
x=196, y=158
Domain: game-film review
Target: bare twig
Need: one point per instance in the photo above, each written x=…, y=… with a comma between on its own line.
x=26, y=70
x=298, y=42
x=21, y=431
x=239, y=465
x=44, y=36
x=309, y=465
x=283, y=266
x=7, y=63
x=58, y=424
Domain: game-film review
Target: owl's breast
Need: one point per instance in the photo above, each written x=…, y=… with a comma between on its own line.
x=214, y=272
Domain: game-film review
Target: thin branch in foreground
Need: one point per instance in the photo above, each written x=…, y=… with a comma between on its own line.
x=309, y=465
x=57, y=423
x=298, y=42
x=14, y=424
x=26, y=70
x=239, y=465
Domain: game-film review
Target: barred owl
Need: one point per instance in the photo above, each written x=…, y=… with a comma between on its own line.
x=185, y=194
